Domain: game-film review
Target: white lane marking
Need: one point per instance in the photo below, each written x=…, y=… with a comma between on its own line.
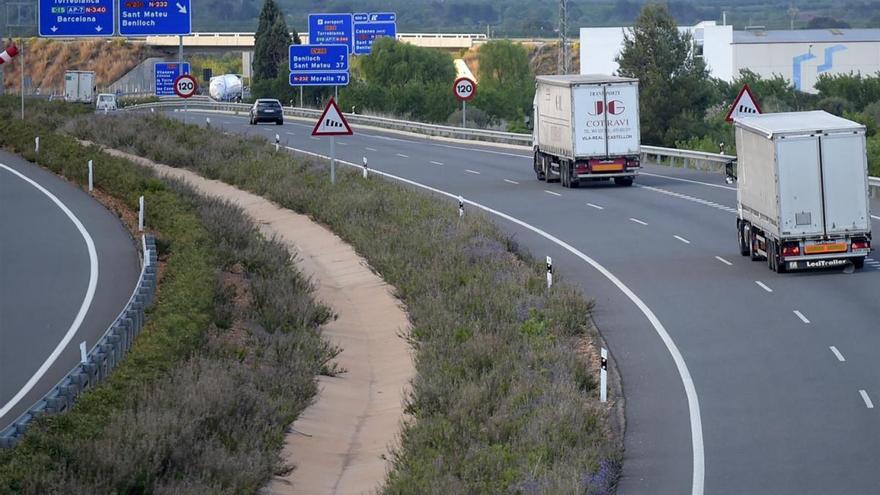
x=511, y=181
x=315, y=138
x=471, y=171
x=636, y=220
x=429, y=143
x=591, y=205
x=697, y=448
x=837, y=354
x=290, y=134
x=83, y=308
x=868, y=403
x=551, y=192
x=682, y=239
x=688, y=198
x=402, y=155
x=763, y=286
x=436, y=163
x=719, y=258
x=719, y=186
x=340, y=143
x=801, y=316
x=875, y=217
x=371, y=149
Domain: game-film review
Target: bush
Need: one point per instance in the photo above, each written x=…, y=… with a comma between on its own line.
x=835, y=105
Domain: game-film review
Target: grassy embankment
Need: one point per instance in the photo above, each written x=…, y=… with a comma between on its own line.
x=226, y=361
x=505, y=400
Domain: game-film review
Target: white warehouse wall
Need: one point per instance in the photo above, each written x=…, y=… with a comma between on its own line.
x=599, y=47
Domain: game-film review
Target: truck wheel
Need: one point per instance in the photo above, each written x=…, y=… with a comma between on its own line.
x=548, y=171
x=741, y=229
x=753, y=246
x=623, y=181
x=538, y=165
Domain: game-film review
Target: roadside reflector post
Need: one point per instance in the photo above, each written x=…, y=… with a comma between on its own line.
x=152, y=110
x=460, y=207
x=549, y=272
x=365, y=167
x=83, y=355
x=603, y=377
x=141, y=214
x=91, y=176
x=277, y=142
x=208, y=121
x=37, y=144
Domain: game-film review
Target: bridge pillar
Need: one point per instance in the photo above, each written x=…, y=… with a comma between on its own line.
x=247, y=61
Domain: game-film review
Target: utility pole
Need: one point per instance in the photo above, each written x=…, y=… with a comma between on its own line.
x=562, y=60
x=792, y=13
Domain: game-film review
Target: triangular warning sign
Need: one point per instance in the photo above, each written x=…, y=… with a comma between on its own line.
x=744, y=104
x=332, y=122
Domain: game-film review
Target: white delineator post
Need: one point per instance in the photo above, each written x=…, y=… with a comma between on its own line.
x=208, y=121
x=83, y=355
x=37, y=144
x=460, y=207
x=549, y=272
x=141, y=214
x=277, y=142
x=91, y=176
x=603, y=377
x=365, y=168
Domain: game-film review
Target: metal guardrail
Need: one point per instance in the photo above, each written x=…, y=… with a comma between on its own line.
x=104, y=356
x=698, y=160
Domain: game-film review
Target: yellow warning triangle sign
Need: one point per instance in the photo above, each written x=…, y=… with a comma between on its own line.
x=332, y=122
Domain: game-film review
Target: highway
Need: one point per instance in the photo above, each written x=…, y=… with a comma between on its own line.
x=784, y=368
x=67, y=268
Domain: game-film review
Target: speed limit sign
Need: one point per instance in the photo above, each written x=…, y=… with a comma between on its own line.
x=464, y=88
x=185, y=86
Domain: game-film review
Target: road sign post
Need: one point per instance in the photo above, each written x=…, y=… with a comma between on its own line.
x=464, y=89
x=75, y=18
x=332, y=123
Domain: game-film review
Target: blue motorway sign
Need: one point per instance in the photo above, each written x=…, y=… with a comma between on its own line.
x=67, y=18
x=318, y=58
x=330, y=29
x=319, y=78
x=148, y=17
x=166, y=73
x=368, y=27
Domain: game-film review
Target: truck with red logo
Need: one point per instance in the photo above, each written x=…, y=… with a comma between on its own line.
x=802, y=190
x=586, y=128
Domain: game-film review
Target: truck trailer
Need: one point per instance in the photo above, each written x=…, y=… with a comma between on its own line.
x=79, y=86
x=802, y=190
x=586, y=128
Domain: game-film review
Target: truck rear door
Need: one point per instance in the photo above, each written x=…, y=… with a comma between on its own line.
x=800, y=186
x=622, y=118
x=844, y=180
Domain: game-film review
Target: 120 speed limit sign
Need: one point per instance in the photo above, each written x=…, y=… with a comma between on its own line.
x=185, y=86
x=464, y=88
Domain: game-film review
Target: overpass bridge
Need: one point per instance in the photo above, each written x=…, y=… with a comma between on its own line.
x=206, y=42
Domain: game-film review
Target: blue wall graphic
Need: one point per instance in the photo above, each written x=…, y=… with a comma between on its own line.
x=797, y=64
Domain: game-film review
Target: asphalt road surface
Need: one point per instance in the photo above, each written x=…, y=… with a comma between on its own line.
x=55, y=290
x=784, y=367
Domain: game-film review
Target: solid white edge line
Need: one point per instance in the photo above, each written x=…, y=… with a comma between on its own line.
x=371, y=149
x=868, y=403
x=763, y=286
x=875, y=217
x=636, y=220
x=84, y=307
x=719, y=186
x=801, y=316
x=591, y=205
x=551, y=192
x=699, y=459
x=719, y=258
x=682, y=239
x=511, y=181
x=837, y=354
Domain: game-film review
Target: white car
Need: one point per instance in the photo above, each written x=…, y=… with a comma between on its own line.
x=106, y=102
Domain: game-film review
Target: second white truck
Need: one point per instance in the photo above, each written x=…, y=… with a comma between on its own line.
x=79, y=86
x=802, y=190
x=586, y=128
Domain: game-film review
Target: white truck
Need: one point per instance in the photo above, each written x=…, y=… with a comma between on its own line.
x=79, y=86
x=226, y=87
x=802, y=190
x=586, y=128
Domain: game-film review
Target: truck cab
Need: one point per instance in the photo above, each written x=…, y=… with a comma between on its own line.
x=106, y=102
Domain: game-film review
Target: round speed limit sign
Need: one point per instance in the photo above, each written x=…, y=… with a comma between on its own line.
x=464, y=88
x=185, y=86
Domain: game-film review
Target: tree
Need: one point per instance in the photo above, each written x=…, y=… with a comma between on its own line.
x=674, y=86
x=271, y=43
x=507, y=84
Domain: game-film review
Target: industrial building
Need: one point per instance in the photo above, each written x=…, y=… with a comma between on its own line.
x=797, y=55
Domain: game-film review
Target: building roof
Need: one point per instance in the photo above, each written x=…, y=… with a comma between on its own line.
x=796, y=122
x=574, y=79
x=806, y=36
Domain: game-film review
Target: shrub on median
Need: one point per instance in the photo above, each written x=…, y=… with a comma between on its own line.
x=503, y=400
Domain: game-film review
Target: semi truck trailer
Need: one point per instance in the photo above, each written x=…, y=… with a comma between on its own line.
x=586, y=128
x=802, y=190
x=79, y=86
